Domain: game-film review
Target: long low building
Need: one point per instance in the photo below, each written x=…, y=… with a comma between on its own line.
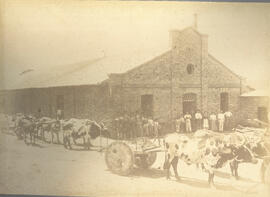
x=255, y=105
x=74, y=101
x=183, y=79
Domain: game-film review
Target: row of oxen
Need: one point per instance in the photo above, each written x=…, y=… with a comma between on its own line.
x=30, y=128
x=210, y=150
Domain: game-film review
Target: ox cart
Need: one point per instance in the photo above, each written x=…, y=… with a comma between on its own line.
x=265, y=167
x=122, y=156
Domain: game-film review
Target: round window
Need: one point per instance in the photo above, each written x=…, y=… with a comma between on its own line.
x=190, y=68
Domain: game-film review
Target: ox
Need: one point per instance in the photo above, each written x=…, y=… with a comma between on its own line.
x=17, y=130
x=26, y=125
x=85, y=129
x=208, y=150
x=259, y=146
x=49, y=125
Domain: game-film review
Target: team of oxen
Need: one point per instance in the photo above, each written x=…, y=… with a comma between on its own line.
x=211, y=151
x=30, y=128
x=206, y=149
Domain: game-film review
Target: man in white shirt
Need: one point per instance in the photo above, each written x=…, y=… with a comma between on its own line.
x=198, y=120
x=221, y=118
x=59, y=114
x=213, y=121
x=188, y=122
x=228, y=120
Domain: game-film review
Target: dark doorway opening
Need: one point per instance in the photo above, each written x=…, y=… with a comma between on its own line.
x=189, y=102
x=60, y=102
x=224, y=101
x=147, y=105
x=262, y=114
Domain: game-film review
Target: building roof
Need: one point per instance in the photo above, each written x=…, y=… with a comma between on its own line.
x=257, y=93
x=92, y=71
x=88, y=72
x=72, y=74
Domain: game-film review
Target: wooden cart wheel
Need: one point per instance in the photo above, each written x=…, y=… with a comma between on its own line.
x=119, y=158
x=147, y=160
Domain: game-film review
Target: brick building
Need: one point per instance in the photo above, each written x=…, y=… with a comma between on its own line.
x=255, y=105
x=68, y=88
x=184, y=78
x=80, y=101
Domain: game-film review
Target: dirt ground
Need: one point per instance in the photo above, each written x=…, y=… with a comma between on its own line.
x=49, y=169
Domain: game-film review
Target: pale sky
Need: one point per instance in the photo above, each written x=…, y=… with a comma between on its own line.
x=42, y=34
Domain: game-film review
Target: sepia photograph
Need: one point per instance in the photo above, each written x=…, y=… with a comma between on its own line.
x=134, y=98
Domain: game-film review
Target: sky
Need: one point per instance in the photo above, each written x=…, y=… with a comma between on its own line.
x=43, y=36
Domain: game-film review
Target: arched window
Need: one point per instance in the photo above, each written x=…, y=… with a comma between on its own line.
x=224, y=101
x=190, y=68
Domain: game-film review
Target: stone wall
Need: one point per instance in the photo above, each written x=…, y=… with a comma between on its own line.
x=88, y=101
x=167, y=79
x=249, y=106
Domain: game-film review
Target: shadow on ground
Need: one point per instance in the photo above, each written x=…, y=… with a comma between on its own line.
x=35, y=145
x=228, y=176
x=204, y=184
x=81, y=148
x=149, y=173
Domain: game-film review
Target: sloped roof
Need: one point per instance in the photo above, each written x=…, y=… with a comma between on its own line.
x=72, y=74
x=92, y=71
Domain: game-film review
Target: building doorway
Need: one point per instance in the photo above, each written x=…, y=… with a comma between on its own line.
x=147, y=105
x=224, y=101
x=189, y=103
x=262, y=114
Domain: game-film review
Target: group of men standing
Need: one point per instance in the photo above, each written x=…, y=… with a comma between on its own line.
x=191, y=122
x=132, y=126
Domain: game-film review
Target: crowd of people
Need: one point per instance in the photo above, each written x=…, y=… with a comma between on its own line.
x=129, y=126
x=190, y=122
x=135, y=125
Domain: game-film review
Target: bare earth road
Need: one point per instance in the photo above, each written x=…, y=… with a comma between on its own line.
x=52, y=170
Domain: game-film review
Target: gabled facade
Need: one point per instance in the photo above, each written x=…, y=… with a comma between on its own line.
x=185, y=78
